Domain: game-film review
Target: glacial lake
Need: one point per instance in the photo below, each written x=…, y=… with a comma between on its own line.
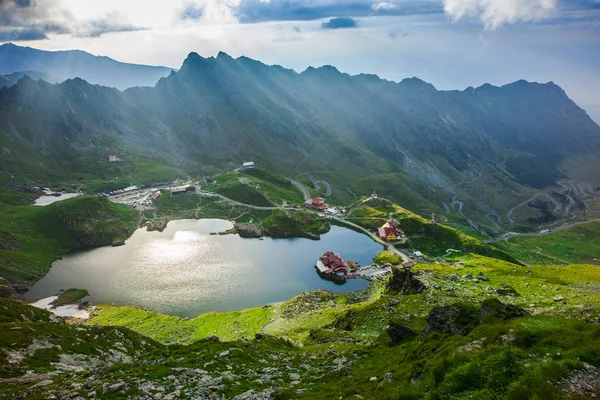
x=185, y=271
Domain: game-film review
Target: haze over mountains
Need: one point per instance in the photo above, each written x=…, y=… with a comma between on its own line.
x=62, y=65
x=407, y=140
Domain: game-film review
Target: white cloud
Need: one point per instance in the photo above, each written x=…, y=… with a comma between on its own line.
x=495, y=13
x=383, y=5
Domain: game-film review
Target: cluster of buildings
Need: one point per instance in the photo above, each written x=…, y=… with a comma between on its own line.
x=332, y=266
x=123, y=191
x=113, y=158
x=318, y=203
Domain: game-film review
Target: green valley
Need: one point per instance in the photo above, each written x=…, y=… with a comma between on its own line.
x=242, y=231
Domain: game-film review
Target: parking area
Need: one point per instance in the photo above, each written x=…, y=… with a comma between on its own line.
x=371, y=272
x=140, y=199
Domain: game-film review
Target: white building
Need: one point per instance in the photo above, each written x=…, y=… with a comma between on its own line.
x=248, y=165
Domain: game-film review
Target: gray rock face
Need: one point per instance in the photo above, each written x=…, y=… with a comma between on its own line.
x=405, y=282
x=496, y=309
x=115, y=387
x=585, y=382
x=254, y=395
x=451, y=319
x=399, y=332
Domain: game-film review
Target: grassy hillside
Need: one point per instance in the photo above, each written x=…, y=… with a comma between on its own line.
x=431, y=239
x=257, y=187
x=579, y=244
x=285, y=223
x=33, y=237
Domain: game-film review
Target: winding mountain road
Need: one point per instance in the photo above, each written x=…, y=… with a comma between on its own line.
x=304, y=189
x=469, y=221
x=557, y=206
x=317, y=184
x=545, y=232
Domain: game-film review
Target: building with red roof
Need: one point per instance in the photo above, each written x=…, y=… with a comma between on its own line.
x=318, y=203
x=390, y=232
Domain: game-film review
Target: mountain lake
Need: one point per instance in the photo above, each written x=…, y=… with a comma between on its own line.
x=185, y=270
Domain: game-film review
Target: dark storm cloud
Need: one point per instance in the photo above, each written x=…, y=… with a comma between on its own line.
x=340, y=23
x=251, y=11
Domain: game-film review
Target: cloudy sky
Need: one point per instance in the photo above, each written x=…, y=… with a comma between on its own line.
x=450, y=43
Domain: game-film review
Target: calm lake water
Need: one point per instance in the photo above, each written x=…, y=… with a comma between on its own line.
x=185, y=271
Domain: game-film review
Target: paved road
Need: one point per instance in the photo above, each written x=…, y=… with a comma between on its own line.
x=352, y=193
x=497, y=227
x=542, y=233
x=557, y=206
x=304, y=190
x=469, y=221
x=565, y=191
x=317, y=184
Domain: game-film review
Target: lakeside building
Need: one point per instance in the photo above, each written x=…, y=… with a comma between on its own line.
x=332, y=266
x=390, y=232
x=318, y=203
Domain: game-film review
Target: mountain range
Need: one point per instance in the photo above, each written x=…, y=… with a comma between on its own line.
x=62, y=65
x=489, y=146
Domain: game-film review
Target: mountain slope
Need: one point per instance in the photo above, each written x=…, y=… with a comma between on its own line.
x=490, y=146
x=13, y=78
x=78, y=64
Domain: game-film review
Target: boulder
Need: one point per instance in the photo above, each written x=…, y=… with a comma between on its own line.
x=494, y=308
x=482, y=277
x=405, y=282
x=507, y=290
x=115, y=387
x=399, y=332
x=455, y=319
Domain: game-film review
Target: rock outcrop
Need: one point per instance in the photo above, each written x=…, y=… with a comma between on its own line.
x=455, y=319
x=404, y=281
x=399, y=332
x=494, y=308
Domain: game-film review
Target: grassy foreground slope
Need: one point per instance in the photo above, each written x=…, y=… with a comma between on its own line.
x=312, y=317
x=579, y=244
x=33, y=237
x=320, y=345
